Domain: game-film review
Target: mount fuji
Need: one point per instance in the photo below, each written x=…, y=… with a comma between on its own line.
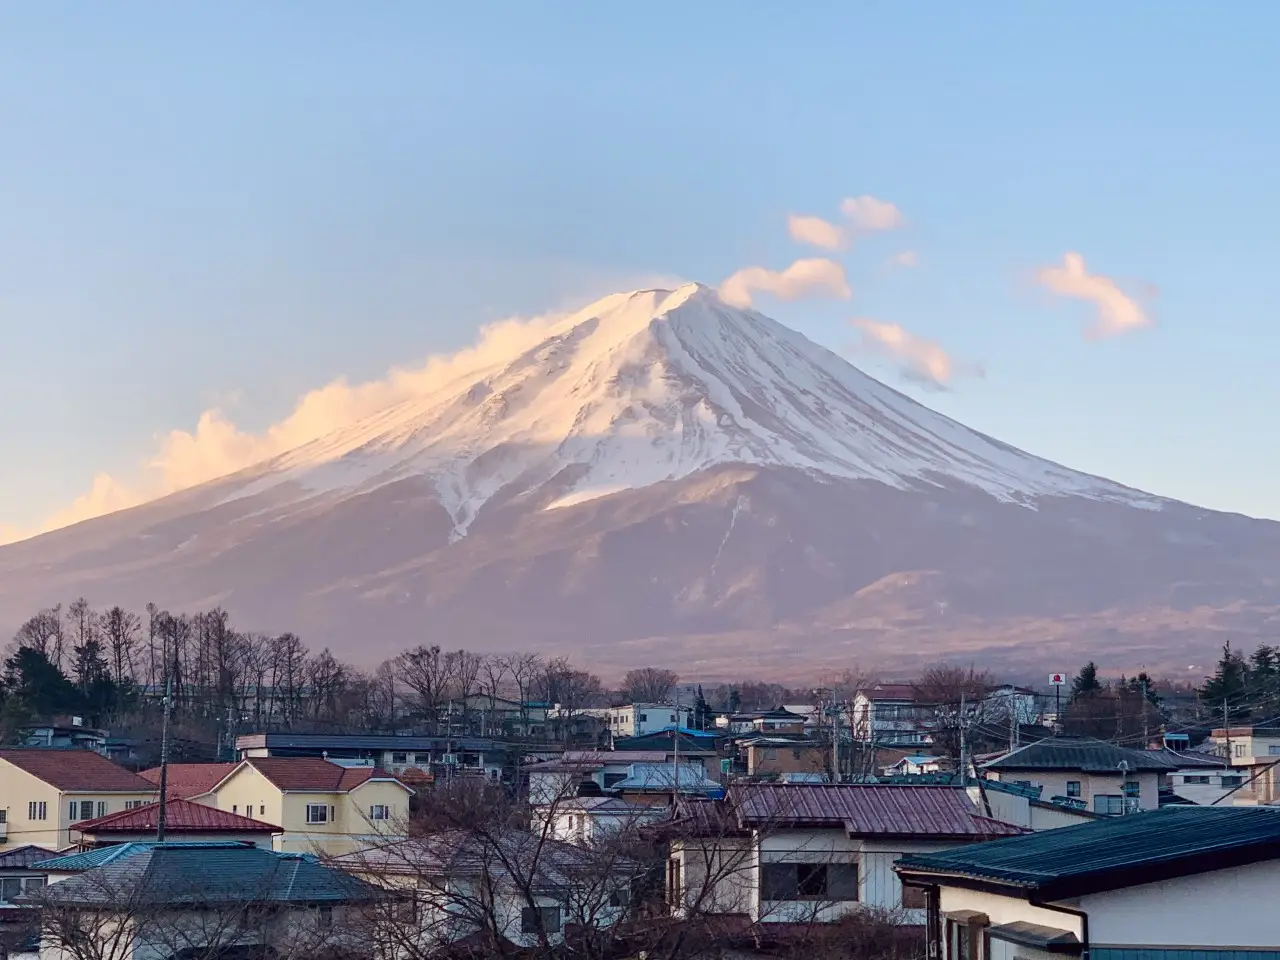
x=664, y=477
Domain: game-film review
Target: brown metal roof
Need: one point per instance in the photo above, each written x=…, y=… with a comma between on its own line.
x=188, y=780
x=181, y=816
x=868, y=809
x=77, y=771
x=314, y=773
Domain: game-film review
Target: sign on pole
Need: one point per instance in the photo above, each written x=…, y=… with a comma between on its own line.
x=1057, y=679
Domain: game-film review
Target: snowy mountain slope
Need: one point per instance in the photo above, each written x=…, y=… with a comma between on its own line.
x=652, y=386
x=667, y=479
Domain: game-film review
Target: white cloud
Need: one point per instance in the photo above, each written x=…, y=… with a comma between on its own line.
x=816, y=232
x=907, y=258
x=869, y=215
x=804, y=279
x=1117, y=312
x=916, y=358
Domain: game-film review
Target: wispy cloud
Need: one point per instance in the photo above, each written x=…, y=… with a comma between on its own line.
x=816, y=232
x=804, y=279
x=907, y=258
x=1117, y=312
x=916, y=358
x=867, y=214
x=864, y=214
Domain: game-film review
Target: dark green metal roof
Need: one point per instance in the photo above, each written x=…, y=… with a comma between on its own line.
x=1176, y=841
x=201, y=874
x=1080, y=753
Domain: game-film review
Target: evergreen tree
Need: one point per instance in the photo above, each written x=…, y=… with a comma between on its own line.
x=36, y=683
x=1228, y=685
x=1087, y=682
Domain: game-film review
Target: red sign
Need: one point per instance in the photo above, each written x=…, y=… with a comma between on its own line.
x=1057, y=679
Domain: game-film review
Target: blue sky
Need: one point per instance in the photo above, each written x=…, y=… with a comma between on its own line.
x=227, y=205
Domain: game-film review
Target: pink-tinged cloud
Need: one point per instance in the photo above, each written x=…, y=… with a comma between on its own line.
x=915, y=357
x=868, y=214
x=1117, y=312
x=816, y=232
x=803, y=280
x=905, y=259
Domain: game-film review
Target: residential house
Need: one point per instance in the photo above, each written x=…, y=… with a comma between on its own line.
x=480, y=715
x=66, y=733
x=186, y=780
x=174, y=900
x=592, y=819
x=1171, y=884
x=890, y=714
x=318, y=805
x=19, y=879
x=638, y=719
x=780, y=720
x=916, y=764
x=1023, y=703
x=775, y=755
x=700, y=743
x=1254, y=754
x=812, y=853
x=184, y=820
x=498, y=888
x=1200, y=777
x=1023, y=805
x=659, y=784
x=414, y=759
x=47, y=792
x=1105, y=778
x=552, y=780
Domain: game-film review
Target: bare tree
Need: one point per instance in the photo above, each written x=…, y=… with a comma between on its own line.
x=649, y=684
x=426, y=675
x=43, y=633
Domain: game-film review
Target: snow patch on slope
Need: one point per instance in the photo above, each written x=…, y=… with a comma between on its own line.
x=655, y=385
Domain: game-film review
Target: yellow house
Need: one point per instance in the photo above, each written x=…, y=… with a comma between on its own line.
x=322, y=806
x=44, y=793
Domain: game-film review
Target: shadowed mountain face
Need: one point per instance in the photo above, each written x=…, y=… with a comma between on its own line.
x=668, y=479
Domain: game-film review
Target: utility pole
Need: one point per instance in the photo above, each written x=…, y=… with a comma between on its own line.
x=835, y=741
x=964, y=746
x=1146, y=730
x=1013, y=724
x=1226, y=726
x=164, y=758
x=675, y=750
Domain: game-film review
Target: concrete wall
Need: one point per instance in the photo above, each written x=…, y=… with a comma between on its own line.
x=1055, y=782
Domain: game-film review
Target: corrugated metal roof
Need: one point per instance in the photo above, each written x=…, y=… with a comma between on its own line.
x=868, y=809
x=1079, y=753
x=23, y=856
x=181, y=816
x=209, y=873
x=186, y=780
x=1159, y=837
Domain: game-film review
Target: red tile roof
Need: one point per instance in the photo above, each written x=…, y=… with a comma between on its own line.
x=181, y=816
x=77, y=770
x=188, y=780
x=868, y=810
x=314, y=773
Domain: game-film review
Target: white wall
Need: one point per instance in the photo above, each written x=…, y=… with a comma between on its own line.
x=1001, y=909
x=1223, y=909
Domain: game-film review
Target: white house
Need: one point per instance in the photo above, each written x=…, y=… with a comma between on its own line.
x=1179, y=883
x=559, y=779
x=591, y=820
x=1103, y=777
x=638, y=719
x=801, y=853
x=1254, y=753
x=889, y=714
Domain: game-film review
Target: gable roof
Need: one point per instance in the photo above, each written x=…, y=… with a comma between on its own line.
x=181, y=816
x=314, y=774
x=23, y=856
x=891, y=691
x=77, y=770
x=661, y=777
x=1110, y=854
x=868, y=810
x=188, y=780
x=199, y=874
x=1079, y=753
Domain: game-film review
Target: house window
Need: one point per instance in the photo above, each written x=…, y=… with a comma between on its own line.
x=134, y=804
x=1273, y=750
x=1195, y=780
x=262, y=809
x=914, y=898
x=81, y=810
x=1073, y=788
x=1132, y=788
x=379, y=811
x=540, y=920
x=674, y=878
x=810, y=881
x=317, y=813
x=324, y=917
x=771, y=754
x=422, y=758
x=1109, y=805
x=644, y=718
x=1233, y=779
x=1239, y=750
x=399, y=758
x=235, y=808
x=38, y=810
x=10, y=889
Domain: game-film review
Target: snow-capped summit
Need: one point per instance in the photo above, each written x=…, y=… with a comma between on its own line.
x=655, y=385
